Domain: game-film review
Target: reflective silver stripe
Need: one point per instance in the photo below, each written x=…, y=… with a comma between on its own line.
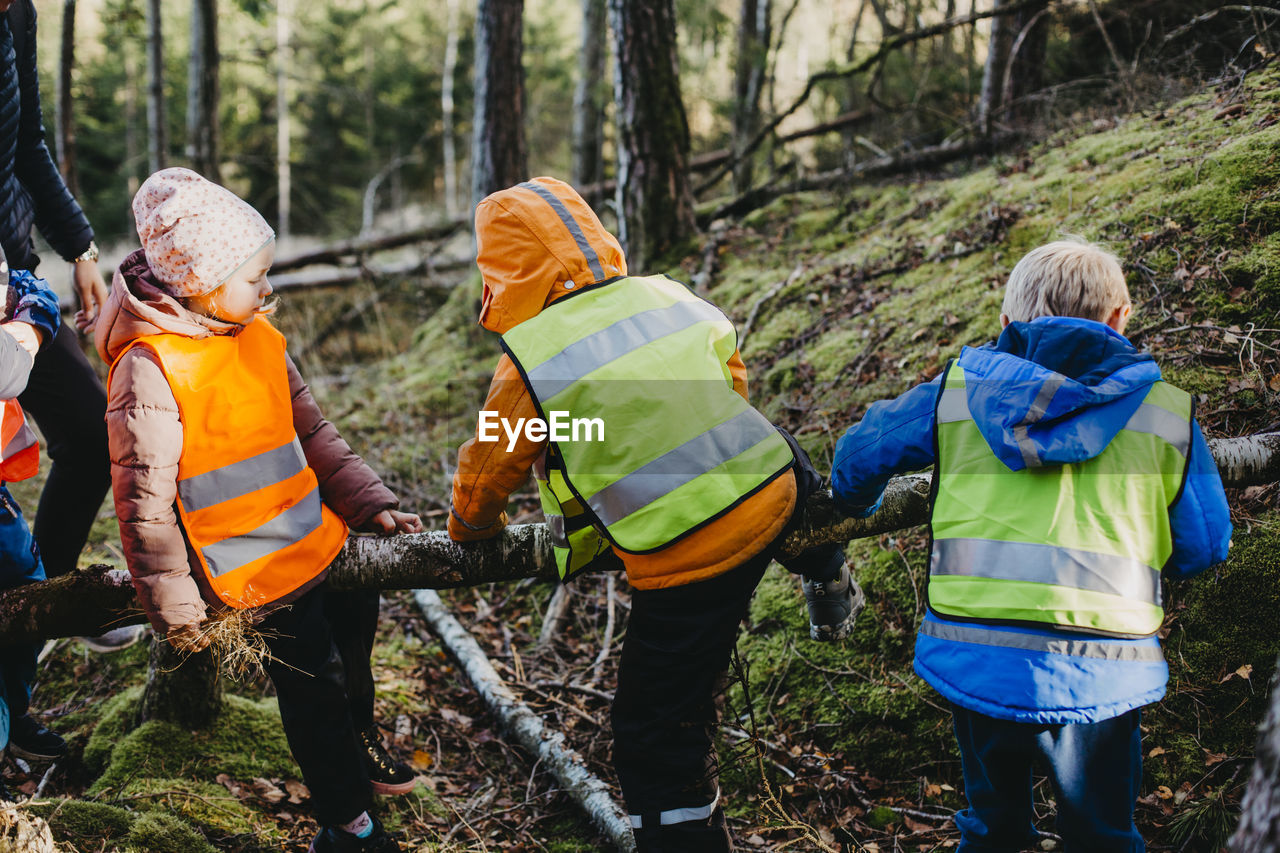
x=555, y=527
x=1031, y=456
x=290, y=526
x=1024, y=561
x=680, y=465
x=612, y=342
x=671, y=816
x=1108, y=650
x=241, y=478
x=588, y=252
x=1163, y=424
x=953, y=406
x=22, y=439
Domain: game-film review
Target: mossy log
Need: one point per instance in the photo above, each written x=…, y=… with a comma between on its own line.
x=87, y=602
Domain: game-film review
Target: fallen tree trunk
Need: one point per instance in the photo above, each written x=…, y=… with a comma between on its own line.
x=87, y=602
x=335, y=252
x=343, y=276
x=909, y=161
x=519, y=721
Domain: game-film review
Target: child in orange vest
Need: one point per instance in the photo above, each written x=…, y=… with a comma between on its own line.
x=30, y=320
x=232, y=489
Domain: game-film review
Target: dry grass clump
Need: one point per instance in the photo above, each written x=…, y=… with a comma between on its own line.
x=238, y=643
x=22, y=832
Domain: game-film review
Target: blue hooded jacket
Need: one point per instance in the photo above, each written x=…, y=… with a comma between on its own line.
x=1101, y=379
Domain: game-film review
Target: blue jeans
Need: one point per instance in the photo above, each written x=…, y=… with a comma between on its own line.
x=19, y=564
x=1095, y=769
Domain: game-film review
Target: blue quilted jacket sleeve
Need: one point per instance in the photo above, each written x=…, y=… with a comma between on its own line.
x=36, y=303
x=894, y=437
x=1199, y=518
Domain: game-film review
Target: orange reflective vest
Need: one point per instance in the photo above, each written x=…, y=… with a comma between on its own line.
x=19, y=451
x=249, y=504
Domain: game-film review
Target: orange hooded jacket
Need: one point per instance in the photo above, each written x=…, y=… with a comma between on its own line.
x=529, y=258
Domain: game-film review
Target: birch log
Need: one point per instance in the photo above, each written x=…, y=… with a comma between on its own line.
x=519, y=721
x=85, y=603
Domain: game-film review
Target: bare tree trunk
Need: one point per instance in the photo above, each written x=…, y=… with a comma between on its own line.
x=202, y=90
x=991, y=96
x=158, y=144
x=449, y=145
x=132, y=152
x=1015, y=64
x=852, y=87
x=655, y=199
x=1259, y=829
x=589, y=97
x=1024, y=74
x=752, y=59
x=66, y=132
x=284, y=174
x=886, y=28
x=970, y=51
x=499, y=158
x=182, y=689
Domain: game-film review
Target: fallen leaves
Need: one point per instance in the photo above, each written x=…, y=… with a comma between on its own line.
x=1245, y=672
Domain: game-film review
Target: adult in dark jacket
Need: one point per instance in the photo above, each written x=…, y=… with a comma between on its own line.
x=63, y=394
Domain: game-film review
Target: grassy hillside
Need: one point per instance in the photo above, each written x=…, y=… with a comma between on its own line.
x=855, y=294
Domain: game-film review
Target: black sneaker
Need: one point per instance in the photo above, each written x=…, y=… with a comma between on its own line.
x=334, y=840
x=833, y=606
x=387, y=775
x=32, y=741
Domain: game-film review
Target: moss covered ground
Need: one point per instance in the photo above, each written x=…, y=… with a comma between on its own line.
x=856, y=294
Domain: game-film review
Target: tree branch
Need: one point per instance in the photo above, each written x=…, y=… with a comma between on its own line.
x=886, y=47
x=518, y=720
x=87, y=602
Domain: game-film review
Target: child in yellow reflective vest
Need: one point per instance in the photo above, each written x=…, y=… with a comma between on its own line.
x=232, y=490
x=627, y=398
x=1068, y=477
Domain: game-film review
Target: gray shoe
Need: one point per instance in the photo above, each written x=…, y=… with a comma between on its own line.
x=115, y=639
x=833, y=606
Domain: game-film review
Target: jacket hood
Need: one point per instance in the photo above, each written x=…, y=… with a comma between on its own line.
x=1055, y=390
x=537, y=242
x=138, y=306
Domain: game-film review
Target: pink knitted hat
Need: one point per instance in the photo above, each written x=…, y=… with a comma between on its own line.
x=195, y=233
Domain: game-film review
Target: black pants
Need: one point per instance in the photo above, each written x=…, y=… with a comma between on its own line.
x=69, y=404
x=671, y=675
x=324, y=685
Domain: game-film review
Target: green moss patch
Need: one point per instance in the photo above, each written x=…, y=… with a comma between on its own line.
x=246, y=742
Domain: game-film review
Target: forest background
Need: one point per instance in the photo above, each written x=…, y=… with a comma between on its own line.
x=854, y=260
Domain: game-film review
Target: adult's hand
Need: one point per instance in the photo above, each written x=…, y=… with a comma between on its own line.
x=91, y=291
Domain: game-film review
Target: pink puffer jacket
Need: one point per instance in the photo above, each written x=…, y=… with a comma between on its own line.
x=146, y=442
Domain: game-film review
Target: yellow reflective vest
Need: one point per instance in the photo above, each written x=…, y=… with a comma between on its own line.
x=662, y=444
x=1076, y=546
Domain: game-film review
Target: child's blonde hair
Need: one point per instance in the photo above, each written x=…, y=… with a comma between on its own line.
x=1066, y=278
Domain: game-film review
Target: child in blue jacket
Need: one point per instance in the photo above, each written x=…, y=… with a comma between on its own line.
x=1068, y=477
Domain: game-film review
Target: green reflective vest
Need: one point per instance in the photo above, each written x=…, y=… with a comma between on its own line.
x=654, y=441
x=1078, y=546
